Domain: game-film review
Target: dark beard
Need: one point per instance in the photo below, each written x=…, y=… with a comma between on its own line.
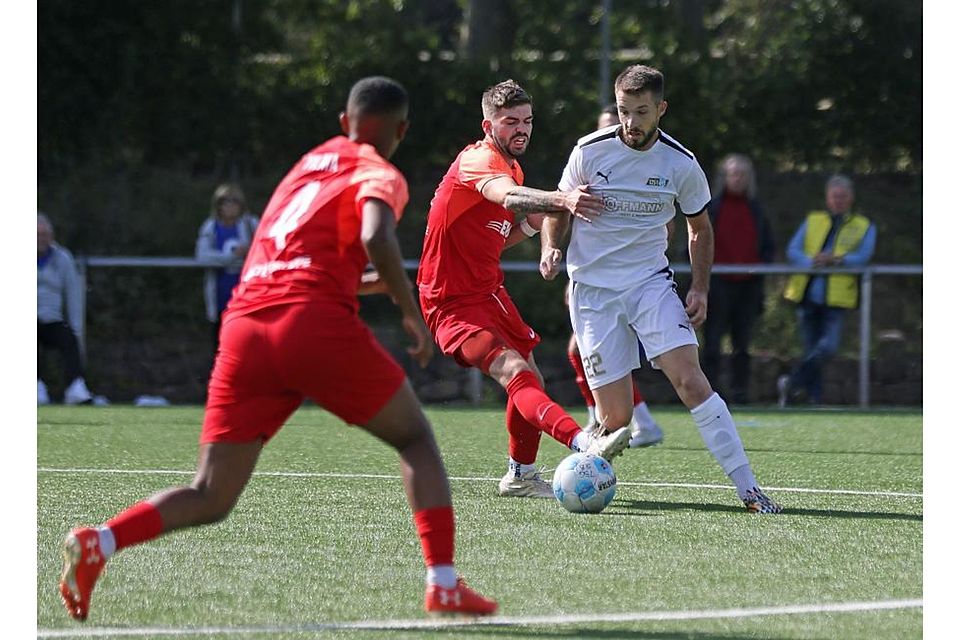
x=506, y=148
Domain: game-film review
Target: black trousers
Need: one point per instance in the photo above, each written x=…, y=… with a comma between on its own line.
x=733, y=307
x=59, y=336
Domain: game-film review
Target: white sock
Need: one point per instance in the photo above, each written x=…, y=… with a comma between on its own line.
x=743, y=478
x=642, y=415
x=518, y=469
x=443, y=575
x=580, y=441
x=719, y=433
x=108, y=544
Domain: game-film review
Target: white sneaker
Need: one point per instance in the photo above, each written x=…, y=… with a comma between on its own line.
x=43, y=397
x=611, y=445
x=645, y=436
x=527, y=485
x=77, y=393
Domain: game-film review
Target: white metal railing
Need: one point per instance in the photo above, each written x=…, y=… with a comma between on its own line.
x=866, y=273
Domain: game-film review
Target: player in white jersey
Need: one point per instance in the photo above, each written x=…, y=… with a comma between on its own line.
x=623, y=289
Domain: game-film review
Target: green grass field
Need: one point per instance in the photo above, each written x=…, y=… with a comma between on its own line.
x=321, y=544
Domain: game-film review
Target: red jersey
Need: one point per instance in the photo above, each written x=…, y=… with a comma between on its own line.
x=466, y=233
x=735, y=236
x=307, y=247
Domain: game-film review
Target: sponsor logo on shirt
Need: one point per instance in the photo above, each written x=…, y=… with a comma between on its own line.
x=500, y=226
x=631, y=208
x=605, y=176
x=264, y=269
x=657, y=182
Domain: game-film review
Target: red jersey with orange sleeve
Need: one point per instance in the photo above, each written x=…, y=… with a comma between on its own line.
x=307, y=247
x=466, y=233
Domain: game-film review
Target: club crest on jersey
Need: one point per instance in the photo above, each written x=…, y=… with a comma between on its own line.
x=657, y=182
x=500, y=226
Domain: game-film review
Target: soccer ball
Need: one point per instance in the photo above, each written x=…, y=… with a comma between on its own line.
x=584, y=483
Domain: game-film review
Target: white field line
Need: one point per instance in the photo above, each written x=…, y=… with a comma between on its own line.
x=367, y=476
x=500, y=621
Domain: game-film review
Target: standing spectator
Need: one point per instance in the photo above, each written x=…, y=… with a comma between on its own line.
x=222, y=243
x=837, y=237
x=59, y=313
x=741, y=236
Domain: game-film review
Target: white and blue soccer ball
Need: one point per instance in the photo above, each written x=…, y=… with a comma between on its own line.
x=584, y=483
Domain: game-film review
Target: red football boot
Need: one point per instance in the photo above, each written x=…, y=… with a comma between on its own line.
x=461, y=600
x=82, y=564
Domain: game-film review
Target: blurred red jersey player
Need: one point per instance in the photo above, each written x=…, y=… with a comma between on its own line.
x=472, y=219
x=292, y=331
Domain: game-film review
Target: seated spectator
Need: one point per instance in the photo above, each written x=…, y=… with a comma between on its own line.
x=59, y=314
x=837, y=237
x=222, y=243
x=742, y=235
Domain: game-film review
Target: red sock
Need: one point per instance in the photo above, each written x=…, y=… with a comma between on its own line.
x=581, y=378
x=637, y=396
x=523, y=437
x=435, y=528
x=136, y=524
x=539, y=410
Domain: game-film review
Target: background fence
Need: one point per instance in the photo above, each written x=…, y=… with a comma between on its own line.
x=473, y=389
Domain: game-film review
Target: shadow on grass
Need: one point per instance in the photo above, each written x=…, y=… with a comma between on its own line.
x=646, y=507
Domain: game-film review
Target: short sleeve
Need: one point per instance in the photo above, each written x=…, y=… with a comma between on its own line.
x=572, y=173
x=481, y=164
x=693, y=193
x=385, y=184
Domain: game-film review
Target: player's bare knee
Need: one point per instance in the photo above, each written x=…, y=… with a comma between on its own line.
x=506, y=366
x=693, y=388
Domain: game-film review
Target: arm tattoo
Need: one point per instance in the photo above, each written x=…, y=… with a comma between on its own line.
x=527, y=200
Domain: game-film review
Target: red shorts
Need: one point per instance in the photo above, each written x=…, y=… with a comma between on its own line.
x=453, y=324
x=271, y=359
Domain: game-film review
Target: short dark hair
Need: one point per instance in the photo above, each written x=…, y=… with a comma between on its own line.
x=639, y=78
x=503, y=95
x=377, y=95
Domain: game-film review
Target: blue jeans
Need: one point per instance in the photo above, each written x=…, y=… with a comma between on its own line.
x=821, y=328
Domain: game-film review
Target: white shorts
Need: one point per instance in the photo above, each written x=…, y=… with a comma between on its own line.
x=608, y=324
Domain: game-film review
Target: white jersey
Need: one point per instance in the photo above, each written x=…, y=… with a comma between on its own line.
x=641, y=192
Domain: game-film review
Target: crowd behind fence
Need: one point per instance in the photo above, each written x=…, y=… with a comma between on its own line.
x=867, y=275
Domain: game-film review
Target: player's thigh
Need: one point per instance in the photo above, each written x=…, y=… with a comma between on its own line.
x=401, y=420
x=608, y=345
x=681, y=365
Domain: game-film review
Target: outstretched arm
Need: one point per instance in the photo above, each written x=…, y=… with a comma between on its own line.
x=506, y=192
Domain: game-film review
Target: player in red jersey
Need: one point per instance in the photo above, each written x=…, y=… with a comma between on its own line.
x=472, y=219
x=292, y=331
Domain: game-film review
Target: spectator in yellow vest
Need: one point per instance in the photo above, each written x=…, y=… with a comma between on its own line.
x=837, y=237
